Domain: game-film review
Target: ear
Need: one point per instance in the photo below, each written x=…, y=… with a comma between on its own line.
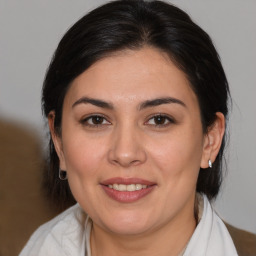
x=57, y=141
x=213, y=140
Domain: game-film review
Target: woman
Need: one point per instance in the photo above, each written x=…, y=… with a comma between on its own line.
x=136, y=101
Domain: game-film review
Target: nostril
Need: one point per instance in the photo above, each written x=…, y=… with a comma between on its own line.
x=126, y=153
x=126, y=162
x=135, y=162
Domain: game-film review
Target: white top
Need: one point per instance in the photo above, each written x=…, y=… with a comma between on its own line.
x=68, y=234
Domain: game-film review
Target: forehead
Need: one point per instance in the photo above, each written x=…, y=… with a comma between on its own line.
x=132, y=75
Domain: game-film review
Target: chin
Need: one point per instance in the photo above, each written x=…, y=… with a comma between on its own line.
x=128, y=229
x=128, y=224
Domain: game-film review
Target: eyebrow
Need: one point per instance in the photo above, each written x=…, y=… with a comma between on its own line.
x=143, y=105
x=95, y=102
x=161, y=101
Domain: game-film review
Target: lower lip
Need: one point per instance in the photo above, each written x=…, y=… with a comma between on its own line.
x=127, y=196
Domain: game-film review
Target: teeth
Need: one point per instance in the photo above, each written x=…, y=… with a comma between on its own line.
x=138, y=186
x=115, y=186
x=122, y=187
x=130, y=187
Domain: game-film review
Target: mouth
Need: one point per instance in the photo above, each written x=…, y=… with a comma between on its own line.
x=130, y=187
x=127, y=190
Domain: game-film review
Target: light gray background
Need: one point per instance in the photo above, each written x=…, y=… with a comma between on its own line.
x=30, y=31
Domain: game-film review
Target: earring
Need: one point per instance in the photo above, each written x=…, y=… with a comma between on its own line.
x=210, y=163
x=62, y=175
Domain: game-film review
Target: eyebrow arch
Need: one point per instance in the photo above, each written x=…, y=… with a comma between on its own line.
x=95, y=102
x=161, y=101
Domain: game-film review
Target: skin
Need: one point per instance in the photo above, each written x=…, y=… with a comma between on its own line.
x=129, y=142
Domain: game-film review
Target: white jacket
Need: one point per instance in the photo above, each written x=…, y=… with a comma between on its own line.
x=68, y=234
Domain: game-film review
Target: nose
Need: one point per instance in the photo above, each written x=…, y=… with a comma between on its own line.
x=126, y=147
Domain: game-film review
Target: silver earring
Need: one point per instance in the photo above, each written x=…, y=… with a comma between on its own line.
x=62, y=175
x=210, y=163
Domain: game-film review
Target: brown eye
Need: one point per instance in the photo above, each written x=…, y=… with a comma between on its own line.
x=95, y=121
x=160, y=120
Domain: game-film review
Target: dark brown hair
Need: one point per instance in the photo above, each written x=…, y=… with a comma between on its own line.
x=132, y=24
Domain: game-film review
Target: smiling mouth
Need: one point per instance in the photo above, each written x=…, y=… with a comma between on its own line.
x=130, y=187
x=127, y=190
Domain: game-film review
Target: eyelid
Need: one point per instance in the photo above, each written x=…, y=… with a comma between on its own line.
x=84, y=120
x=170, y=119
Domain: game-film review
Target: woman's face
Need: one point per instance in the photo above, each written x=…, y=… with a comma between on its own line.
x=132, y=142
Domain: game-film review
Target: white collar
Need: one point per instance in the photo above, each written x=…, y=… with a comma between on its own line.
x=210, y=237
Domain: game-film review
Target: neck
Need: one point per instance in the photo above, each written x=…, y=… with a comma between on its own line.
x=168, y=240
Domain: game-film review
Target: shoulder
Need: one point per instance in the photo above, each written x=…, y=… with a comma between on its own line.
x=59, y=236
x=245, y=242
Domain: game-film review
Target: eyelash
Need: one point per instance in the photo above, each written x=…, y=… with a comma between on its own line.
x=85, y=121
x=167, y=121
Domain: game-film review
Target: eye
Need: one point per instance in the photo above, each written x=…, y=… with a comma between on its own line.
x=95, y=121
x=160, y=120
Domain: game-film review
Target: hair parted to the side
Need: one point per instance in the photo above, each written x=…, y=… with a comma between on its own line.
x=133, y=24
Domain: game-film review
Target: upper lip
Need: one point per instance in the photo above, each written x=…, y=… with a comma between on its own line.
x=127, y=181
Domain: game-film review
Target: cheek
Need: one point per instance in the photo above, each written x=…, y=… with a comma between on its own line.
x=84, y=159
x=179, y=154
x=82, y=155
